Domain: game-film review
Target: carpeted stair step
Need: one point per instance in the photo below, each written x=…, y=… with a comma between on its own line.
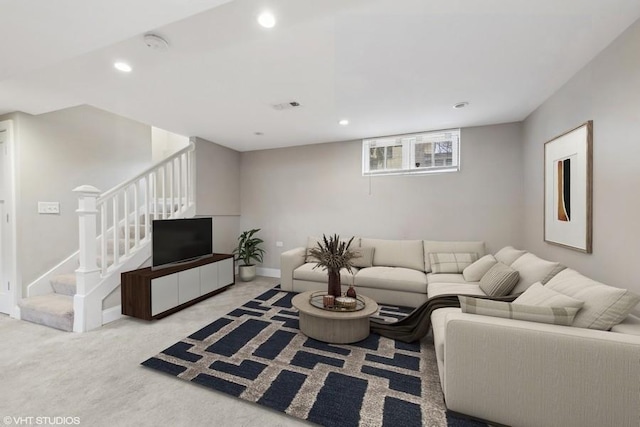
x=64, y=284
x=109, y=260
x=132, y=231
x=53, y=310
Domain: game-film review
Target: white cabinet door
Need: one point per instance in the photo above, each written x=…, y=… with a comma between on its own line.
x=188, y=285
x=164, y=293
x=209, y=278
x=225, y=272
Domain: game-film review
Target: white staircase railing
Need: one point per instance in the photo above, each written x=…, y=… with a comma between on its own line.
x=115, y=228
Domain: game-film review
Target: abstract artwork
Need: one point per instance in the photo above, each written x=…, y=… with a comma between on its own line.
x=567, y=189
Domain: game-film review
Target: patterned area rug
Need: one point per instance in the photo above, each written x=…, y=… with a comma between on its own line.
x=257, y=353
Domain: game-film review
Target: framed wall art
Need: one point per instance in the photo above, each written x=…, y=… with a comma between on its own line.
x=568, y=180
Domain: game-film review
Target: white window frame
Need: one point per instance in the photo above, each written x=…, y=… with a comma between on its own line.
x=408, y=142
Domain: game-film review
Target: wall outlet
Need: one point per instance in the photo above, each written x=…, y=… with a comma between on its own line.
x=48, y=208
x=279, y=244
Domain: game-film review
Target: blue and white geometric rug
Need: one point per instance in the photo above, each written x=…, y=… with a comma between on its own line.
x=257, y=353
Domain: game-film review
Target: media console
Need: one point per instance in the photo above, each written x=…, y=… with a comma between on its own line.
x=152, y=294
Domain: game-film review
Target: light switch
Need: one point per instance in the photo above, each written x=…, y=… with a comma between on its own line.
x=48, y=208
x=279, y=244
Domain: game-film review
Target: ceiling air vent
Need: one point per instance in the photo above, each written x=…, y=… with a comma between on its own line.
x=286, y=105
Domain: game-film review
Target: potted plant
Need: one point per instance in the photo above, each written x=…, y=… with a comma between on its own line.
x=248, y=249
x=333, y=255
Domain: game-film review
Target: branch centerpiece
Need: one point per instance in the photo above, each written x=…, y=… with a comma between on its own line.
x=333, y=255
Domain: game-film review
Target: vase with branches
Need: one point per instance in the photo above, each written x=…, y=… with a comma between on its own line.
x=333, y=254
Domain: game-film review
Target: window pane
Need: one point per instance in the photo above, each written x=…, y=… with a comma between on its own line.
x=424, y=154
x=443, y=153
x=376, y=158
x=394, y=157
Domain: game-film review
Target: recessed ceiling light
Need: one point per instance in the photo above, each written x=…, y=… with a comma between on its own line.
x=123, y=66
x=267, y=20
x=258, y=133
x=460, y=105
x=343, y=122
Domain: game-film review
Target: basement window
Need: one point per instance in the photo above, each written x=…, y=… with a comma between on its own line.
x=416, y=153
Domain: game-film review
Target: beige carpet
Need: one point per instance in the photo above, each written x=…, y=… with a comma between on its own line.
x=97, y=375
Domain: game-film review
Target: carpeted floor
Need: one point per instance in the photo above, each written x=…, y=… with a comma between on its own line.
x=257, y=353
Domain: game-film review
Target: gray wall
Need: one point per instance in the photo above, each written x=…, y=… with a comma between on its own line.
x=218, y=191
x=291, y=193
x=57, y=152
x=606, y=91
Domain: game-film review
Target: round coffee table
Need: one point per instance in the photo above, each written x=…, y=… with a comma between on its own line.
x=334, y=327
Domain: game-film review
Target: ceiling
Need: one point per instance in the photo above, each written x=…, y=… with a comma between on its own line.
x=388, y=66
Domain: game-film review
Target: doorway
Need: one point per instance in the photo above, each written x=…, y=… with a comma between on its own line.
x=8, y=294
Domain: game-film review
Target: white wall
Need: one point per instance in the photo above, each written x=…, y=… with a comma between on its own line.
x=291, y=193
x=218, y=191
x=606, y=91
x=165, y=143
x=57, y=152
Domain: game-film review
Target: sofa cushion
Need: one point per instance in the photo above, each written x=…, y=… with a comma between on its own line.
x=437, y=289
x=451, y=262
x=532, y=313
x=307, y=272
x=537, y=294
x=508, y=255
x=396, y=253
x=363, y=257
x=475, y=271
x=630, y=325
x=432, y=246
x=604, y=306
x=533, y=269
x=499, y=280
x=392, y=278
x=447, y=278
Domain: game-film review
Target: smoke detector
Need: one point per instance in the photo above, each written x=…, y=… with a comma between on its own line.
x=155, y=42
x=286, y=105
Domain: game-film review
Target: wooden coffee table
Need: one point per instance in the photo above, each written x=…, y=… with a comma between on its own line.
x=334, y=327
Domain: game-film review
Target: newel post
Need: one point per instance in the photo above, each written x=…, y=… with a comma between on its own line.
x=88, y=274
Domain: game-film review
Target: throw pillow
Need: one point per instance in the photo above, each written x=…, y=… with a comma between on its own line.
x=532, y=313
x=537, y=294
x=363, y=258
x=475, y=271
x=604, y=306
x=508, y=255
x=448, y=262
x=533, y=269
x=499, y=280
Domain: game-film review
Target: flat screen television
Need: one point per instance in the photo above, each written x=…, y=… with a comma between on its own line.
x=175, y=241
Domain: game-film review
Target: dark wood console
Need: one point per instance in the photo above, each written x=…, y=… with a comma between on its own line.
x=152, y=294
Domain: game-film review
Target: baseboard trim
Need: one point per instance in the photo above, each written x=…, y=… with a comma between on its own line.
x=268, y=272
x=111, y=314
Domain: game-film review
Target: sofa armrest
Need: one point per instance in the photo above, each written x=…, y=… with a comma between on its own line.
x=289, y=261
x=531, y=374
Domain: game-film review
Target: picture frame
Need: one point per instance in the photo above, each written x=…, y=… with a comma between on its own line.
x=568, y=189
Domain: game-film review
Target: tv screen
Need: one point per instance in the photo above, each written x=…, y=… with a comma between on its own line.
x=179, y=240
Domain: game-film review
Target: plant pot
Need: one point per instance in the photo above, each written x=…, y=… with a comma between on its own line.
x=247, y=272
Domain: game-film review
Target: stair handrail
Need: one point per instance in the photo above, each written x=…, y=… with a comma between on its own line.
x=145, y=172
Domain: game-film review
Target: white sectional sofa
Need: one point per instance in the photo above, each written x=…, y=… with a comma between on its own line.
x=512, y=372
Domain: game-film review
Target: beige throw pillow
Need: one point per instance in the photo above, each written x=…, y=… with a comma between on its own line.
x=499, y=280
x=508, y=255
x=532, y=313
x=363, y=258
x=604, y=306
x=537, y=294
x=449, y=262
x=475, y=271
